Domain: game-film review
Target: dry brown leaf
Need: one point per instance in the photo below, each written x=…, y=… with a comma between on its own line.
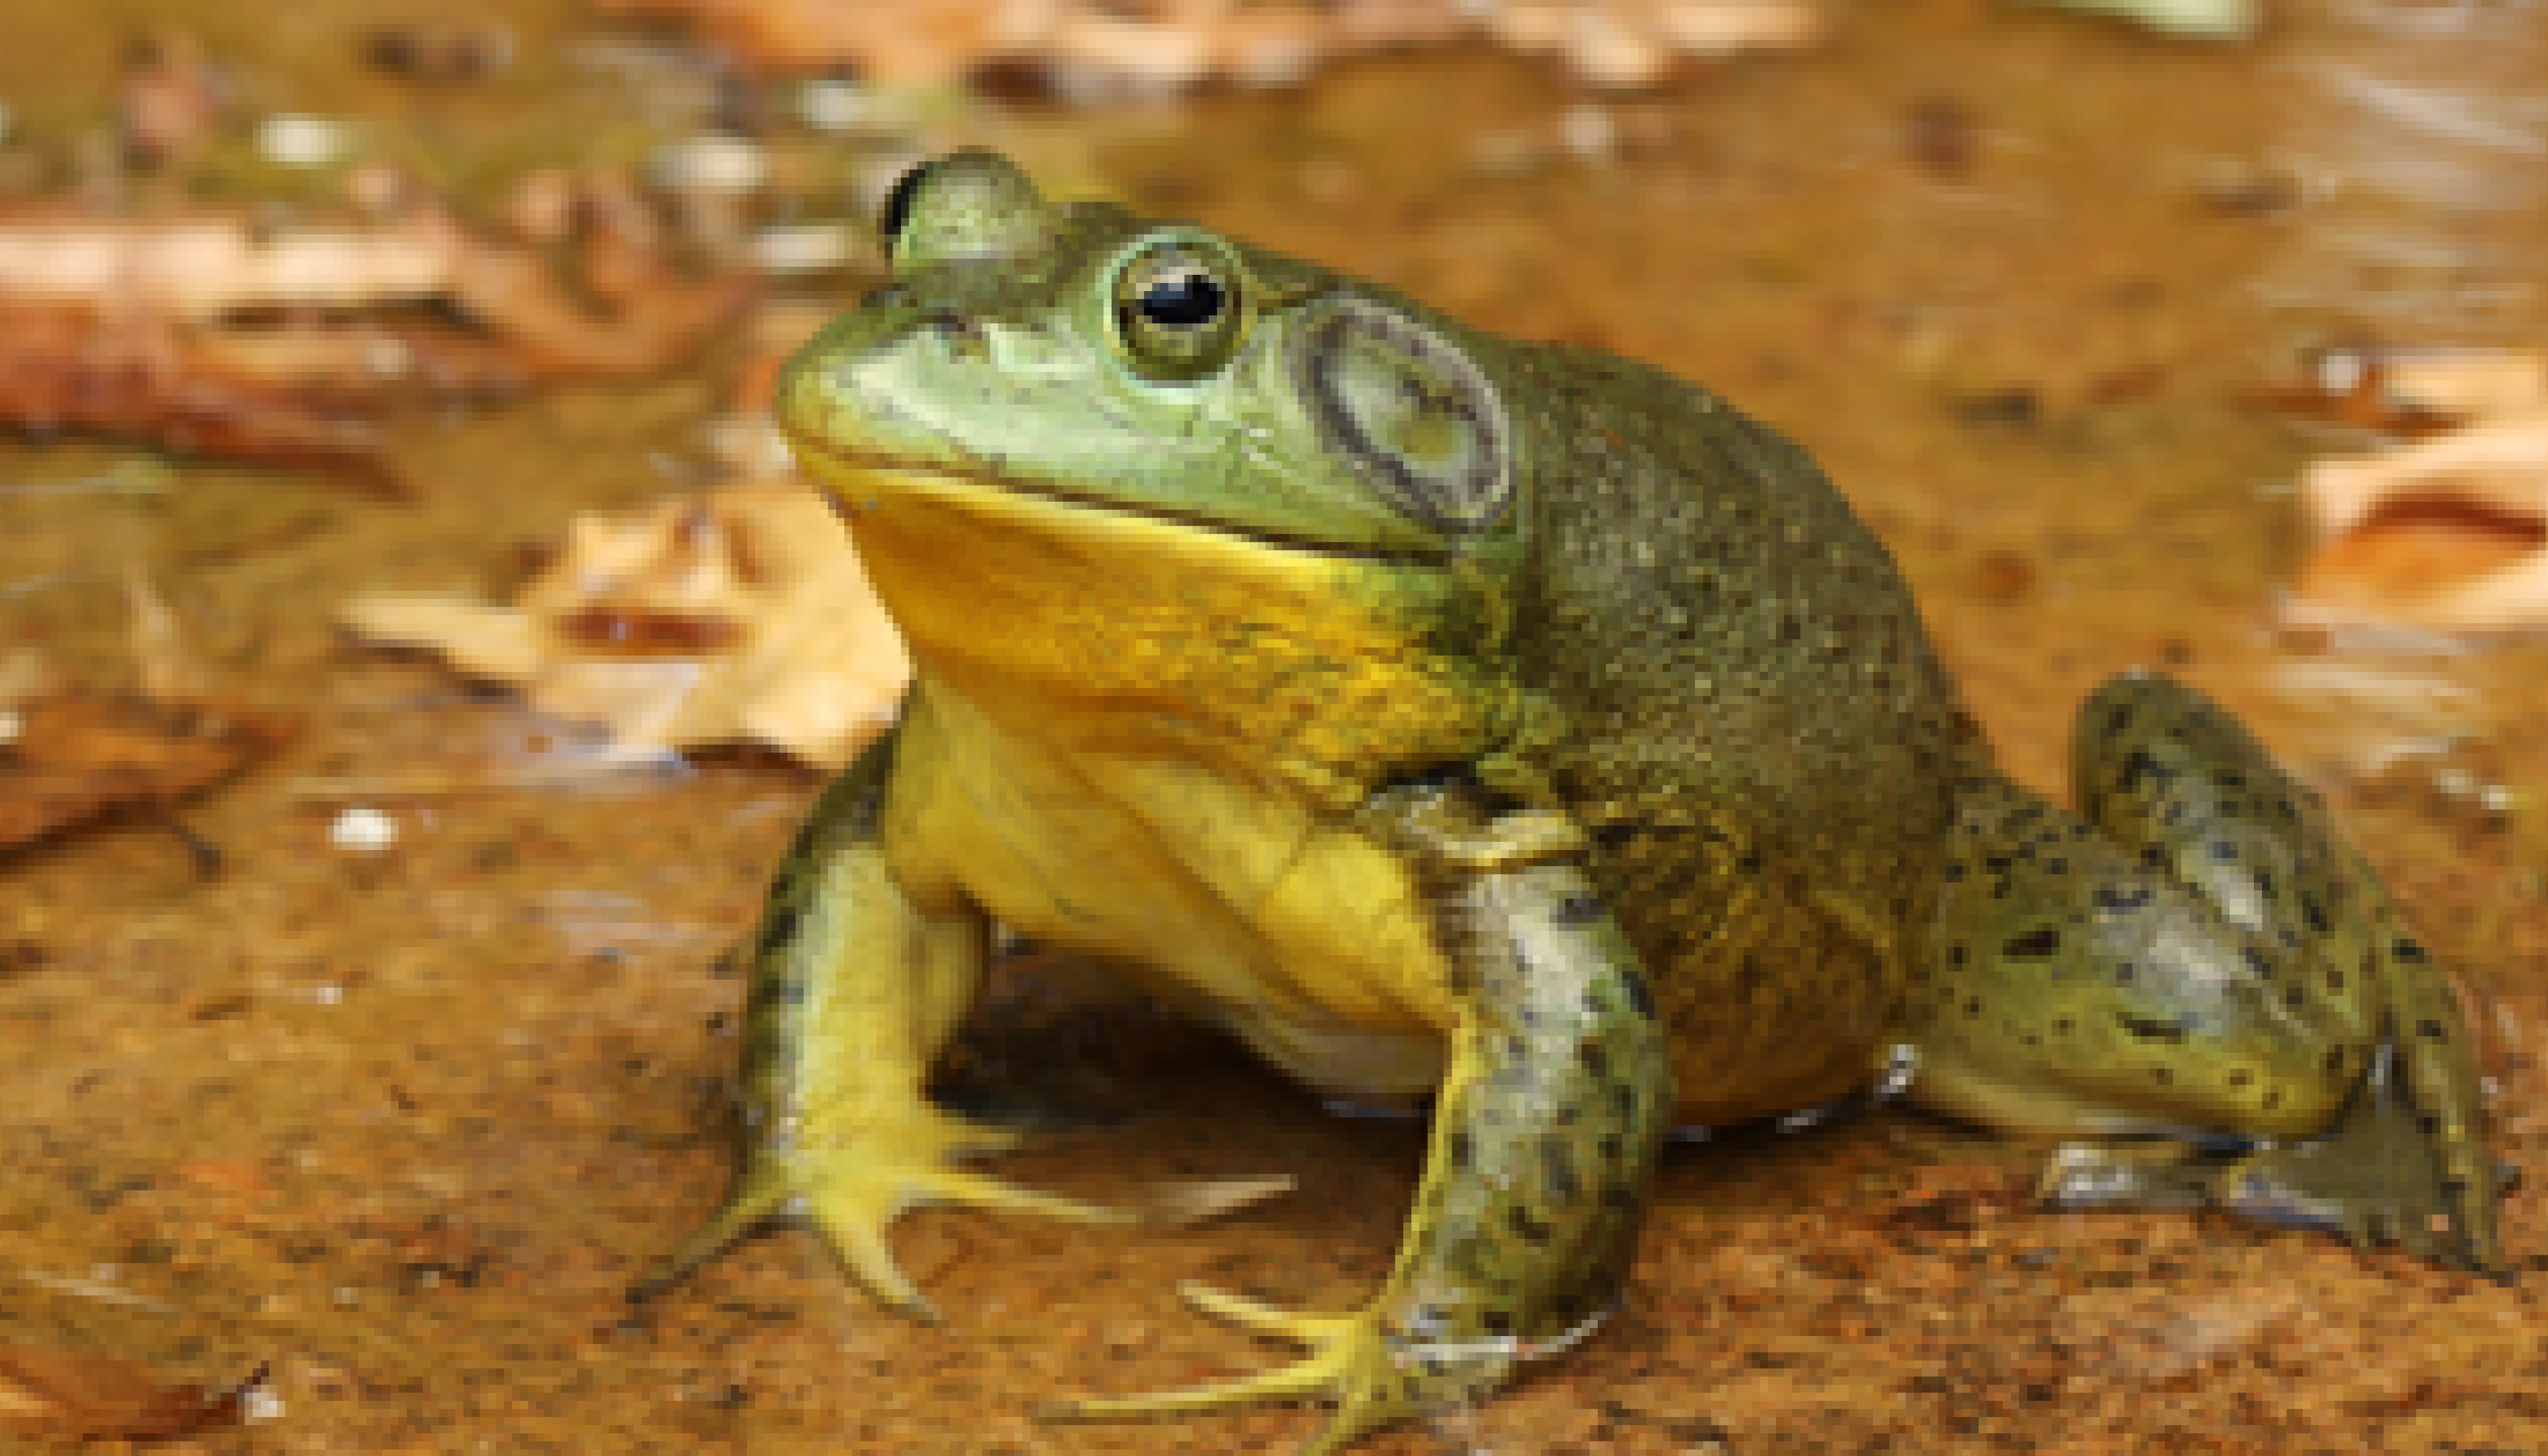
x=132, y=373
x=925, y=43
x=2470, y=384
x=220, y=336
x=2449, y=532
x=2409, y=393
x=1631, y=44
x=196, y=269
x=67, y=758
x=1104, y=48
x=742, y=615
x=64, y=1396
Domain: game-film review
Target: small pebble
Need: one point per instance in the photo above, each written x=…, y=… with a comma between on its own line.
x=260, y=1403
x=2341, y=371
x=833, y=106
x=1589, y=131
x=363, y=831
x=711, y=161
x=295, y=141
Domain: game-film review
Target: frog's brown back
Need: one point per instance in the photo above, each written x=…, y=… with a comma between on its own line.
x=1753, y=723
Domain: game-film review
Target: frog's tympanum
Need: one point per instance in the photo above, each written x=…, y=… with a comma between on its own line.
x=1515, y=725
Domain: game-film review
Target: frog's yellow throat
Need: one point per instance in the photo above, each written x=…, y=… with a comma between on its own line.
x=1121, y=626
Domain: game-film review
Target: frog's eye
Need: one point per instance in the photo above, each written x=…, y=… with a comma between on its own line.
x=970, y=205
x=1177, y=309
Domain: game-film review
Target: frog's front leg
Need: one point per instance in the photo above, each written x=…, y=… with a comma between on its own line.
x=855, y=987
x=1558, y=1093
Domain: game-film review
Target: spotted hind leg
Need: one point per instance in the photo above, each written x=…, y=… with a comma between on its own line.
x=2201, y=961
x=2167, y=773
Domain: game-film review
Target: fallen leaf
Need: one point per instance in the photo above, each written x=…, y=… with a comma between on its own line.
x=2185, y=20
x=742, y=615
x=225, y=335
x=70, y=757
x=2406, y=394
x=1097, y=49
x=70, y=1398
x=2448, y=533
x=2469, y=383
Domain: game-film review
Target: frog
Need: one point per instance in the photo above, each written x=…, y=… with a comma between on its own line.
x=1517, y=728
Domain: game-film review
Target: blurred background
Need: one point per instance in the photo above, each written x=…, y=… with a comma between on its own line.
x=414, y=649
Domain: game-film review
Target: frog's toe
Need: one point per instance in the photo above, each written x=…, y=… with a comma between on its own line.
x=852, y=1207
x=857, y=1240
x=762, y=1192
x=853, y=1193
x=2377, y=1178
x=953, y=1185
x=1331, y=1338
x=1350, y=1363
x=2302, y=1185
x=1317, y=1331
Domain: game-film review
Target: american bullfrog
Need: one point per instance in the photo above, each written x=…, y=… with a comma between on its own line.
x=1518, y=725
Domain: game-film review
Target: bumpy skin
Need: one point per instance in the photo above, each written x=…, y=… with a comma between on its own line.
x=1520, y=725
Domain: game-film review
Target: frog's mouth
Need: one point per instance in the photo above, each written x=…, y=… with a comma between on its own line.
x=857, y=480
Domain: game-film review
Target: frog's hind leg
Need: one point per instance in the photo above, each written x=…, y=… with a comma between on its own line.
x=2167, y=775
x=2203, y=961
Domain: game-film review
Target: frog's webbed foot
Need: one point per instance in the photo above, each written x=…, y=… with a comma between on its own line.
x=854, y=1187
x=1374, y=1378
x=2374, y=1178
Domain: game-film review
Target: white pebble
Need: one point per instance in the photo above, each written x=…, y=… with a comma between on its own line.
x=710, y=161
x=363, y=831
x=13, y=726
x=1588, y=132
x=2341, y=370
x=296, y=140
x=833, y=106
x=260, y=1403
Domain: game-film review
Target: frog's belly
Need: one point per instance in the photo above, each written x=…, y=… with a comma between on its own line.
x=1242, y=905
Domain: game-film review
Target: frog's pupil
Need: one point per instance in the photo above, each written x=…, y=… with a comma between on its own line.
x=1182, y=300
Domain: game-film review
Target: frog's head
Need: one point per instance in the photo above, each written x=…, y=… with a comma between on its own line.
x=1152, y=367
x=1133, y=457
